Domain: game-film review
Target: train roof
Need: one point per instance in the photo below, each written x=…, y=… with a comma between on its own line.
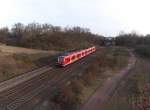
x=69, y=53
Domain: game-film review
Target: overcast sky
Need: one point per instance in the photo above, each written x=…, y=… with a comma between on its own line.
x=106, y=17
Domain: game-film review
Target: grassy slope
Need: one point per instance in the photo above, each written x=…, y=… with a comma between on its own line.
x=13, y=49
x=15, y=61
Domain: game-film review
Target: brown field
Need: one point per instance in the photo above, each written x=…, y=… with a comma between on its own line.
x=13, y=49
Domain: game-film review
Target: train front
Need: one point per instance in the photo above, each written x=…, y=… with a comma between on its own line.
x=60, y=61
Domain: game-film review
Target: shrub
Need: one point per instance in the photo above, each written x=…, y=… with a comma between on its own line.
x=143, y=50
x=66, y=98
x=76, y=86
x=7, y=71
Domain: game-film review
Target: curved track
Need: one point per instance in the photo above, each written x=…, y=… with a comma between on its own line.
x=25, y=94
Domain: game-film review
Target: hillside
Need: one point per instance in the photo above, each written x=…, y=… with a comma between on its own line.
x=15, y=60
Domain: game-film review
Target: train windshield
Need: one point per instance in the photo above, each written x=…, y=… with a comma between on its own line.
x=61, y=58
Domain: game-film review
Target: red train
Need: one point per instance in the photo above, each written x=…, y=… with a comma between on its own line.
x=71, y=57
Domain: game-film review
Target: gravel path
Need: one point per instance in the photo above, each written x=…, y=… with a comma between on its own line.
x=97, y=100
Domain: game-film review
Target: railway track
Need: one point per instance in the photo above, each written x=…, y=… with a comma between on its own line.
x=21, y=96
x=15, y=81
x=64, y=78
x=49, y=85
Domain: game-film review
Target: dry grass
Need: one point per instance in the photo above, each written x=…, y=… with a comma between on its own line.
x=131, y=90
x=14, y=50
x=15, y=61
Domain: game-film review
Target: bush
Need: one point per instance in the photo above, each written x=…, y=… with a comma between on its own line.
x=66, y=98
x=143, y=50
x=76, y=86
x=7, y=71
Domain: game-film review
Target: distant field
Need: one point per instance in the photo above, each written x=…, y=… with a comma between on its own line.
x=13, y=49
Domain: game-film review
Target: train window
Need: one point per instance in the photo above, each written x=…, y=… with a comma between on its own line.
x=68, y=59
x=60, y=58
x=78, y=55
x=73, y=57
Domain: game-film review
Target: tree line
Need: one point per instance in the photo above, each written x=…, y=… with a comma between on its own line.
x=140, y=43
x=46, y=36
x=132, y=39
